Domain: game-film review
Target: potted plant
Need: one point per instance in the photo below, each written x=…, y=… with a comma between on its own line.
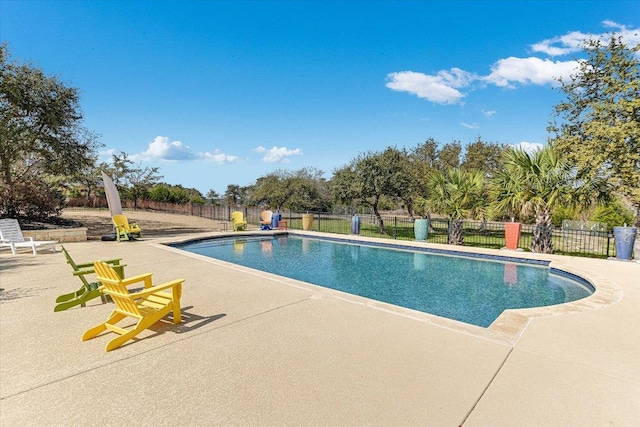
x=507, y=199
x=512, y=234
x=355, y=224
x=624, y=239
x=421, y=225
x=307, y=221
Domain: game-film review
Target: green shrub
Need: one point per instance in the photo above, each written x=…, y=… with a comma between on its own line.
x=74, y=193
x=613, y=214
x=33, y=199
x=561, y=213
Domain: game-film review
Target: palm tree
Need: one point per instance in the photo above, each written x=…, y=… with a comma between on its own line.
x=458, y=194
x=537, y=183
x=506, y=189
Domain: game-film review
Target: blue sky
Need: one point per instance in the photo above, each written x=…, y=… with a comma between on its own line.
x=219, y=92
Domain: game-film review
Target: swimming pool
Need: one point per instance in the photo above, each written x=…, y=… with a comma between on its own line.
x=474, y=290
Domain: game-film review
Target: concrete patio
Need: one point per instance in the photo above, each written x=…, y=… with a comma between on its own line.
x=257, y=349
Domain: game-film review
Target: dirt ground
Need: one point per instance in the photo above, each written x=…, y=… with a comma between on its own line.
x=98, y=222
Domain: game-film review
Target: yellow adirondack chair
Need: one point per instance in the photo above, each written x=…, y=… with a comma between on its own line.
x=265, y=219
x=238, y=220
x=124, y=229
x=88, y=291
x=147, y=306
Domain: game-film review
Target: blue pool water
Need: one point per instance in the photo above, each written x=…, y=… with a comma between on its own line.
x=471, y=290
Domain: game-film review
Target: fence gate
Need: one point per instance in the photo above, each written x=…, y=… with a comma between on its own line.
x=584, y=236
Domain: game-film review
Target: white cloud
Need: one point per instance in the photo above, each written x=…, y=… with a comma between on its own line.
x=107, y=153
x=563, y=45
x=441, y=88
x=161, y=149
x=217, y=157
x=630, y=36
x=489, y=114
x=529, y=147
x=277, y=154
x=445, y=86
x=470, y=126
x=574, y=41
x=529, y=71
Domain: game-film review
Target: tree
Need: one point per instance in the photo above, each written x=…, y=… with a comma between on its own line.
x=600, y=119
x=427, y=153
x=213, y=195
x=174, y=194
x=507, y=189
x=88, y=178
x=236, y=195
x=371, y=176
x=420, y=162
x=449, y=156
x=40, y=135
x=141, y=180
x=459, y=194
x=482, y=156
x=613, y=214
x=309, y=191
x=270, y=190
x=302, y=190
x=133, y=180
x=161, y=193
x=536, y=183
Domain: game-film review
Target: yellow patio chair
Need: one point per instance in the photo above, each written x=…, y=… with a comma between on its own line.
x=238, y=220
x=147, y=306
x=124, y=229
x=87, y=291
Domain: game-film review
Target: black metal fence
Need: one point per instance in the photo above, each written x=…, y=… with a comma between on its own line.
x=566, y=241
x=587, y=243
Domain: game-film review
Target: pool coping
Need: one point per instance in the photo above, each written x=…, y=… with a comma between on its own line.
x=506, y=329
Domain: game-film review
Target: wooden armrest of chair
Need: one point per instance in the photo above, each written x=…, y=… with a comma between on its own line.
x=113, y=262
x=83, y=272
x=146, y=278
x=85, y=265
x=152, y=290
x=116, y=267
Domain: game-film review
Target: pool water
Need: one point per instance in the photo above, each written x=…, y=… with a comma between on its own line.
x=471, y=290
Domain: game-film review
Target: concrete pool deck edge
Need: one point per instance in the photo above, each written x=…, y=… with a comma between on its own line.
x=507, y=328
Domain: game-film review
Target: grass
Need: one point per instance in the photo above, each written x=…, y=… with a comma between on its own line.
x=493, y=238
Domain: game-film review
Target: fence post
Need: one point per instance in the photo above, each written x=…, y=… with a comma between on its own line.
x=395, y=227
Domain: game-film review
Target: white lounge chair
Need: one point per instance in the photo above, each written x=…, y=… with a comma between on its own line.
x=11, y=236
